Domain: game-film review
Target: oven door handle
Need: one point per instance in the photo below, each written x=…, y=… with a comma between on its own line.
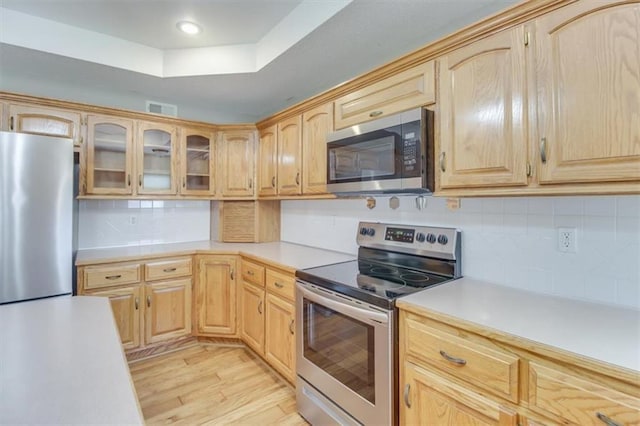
x=352, y=311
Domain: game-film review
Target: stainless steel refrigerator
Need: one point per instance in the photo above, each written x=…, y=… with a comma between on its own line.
x=36, y=216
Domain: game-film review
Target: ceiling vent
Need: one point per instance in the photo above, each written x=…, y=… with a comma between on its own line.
x=160, y=108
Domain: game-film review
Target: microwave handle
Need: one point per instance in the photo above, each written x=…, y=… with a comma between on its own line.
x=352, y=311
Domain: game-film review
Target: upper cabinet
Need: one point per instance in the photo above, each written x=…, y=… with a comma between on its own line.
x=156, y=158
x=400, y=92
x=237, y=163
x=588, y=74
x=290, y=156
x=45, y=121
x=197, y=162
x=268, y=162
x=316, y=125
x=109, y=155
x=483, y=133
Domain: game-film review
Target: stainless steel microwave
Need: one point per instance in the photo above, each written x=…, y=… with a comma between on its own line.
x=390, y=155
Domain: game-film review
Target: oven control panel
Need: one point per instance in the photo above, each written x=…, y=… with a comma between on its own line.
x=420, y=240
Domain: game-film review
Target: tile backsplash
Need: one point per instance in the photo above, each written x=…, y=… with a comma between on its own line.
x=113, y=223
x=509, y=241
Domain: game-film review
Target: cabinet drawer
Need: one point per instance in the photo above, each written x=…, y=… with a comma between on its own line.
x=473, y=360
x=109, y=276
x=409, y=89
x=169, y=268
x=253, y=273
x=578, y=399
x=281, y=284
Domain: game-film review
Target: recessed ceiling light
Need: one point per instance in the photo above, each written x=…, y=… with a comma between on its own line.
x=188, y=27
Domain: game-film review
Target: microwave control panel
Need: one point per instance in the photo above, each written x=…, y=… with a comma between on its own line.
x=411, y=146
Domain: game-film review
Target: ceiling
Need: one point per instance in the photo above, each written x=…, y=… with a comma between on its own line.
x=253, y=58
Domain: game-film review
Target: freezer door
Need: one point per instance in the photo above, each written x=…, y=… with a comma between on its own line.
x=36, y=198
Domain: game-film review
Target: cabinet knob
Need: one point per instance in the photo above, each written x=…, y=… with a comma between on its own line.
x=277, y=284
x=137, y=303
x=407, y=389
x=148, y=301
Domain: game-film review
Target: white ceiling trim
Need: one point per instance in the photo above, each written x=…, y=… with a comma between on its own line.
x=23, y=30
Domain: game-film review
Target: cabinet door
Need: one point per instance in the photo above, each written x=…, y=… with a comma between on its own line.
x=290, y=156
x=429, y=399
x=45, y=121
x=216, y=295
x=588, y=74
x=126, y=307
x=109, y=155
x=237, y=163
x=197, y=162
x=268, y=162
x=156, y=158
x=168, y=310
x=252, y=306
x=483, y=133
x=279, y=346
x=316, y=125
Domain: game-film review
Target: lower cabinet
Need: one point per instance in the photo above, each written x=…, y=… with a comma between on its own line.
x=430, y=399
x=279, y=342
x=252, y=313
x=167, y=310
x=125, y=304
x=215, y=295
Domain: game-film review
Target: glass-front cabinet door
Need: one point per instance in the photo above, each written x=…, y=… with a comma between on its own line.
x=197, y=162
x=155, y=160
x=109, y=155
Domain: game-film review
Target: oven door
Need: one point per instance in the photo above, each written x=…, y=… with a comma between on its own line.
x=345, y=351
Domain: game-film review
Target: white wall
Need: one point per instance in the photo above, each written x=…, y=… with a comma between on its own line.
x=509, y=241
x=109, y=223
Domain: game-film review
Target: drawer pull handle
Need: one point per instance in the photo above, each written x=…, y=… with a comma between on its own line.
x=454, y=360
x=277, y=284
x=169, y=270
x=260, y=307
x=148, y=301
x=442, y=165
x=291, y=327
x=137, y=303
x=375, y=114
x=113, y=277
x=250, y=273
x=606, y=420
x=407, y=389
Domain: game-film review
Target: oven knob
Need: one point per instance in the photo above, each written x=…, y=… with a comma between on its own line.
x=371, y=232
x=420, y=237
x=363, y=231
x=431, y=238
x=442, y=239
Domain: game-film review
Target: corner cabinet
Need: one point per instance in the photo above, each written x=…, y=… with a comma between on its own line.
x=126, y=308
x=197, y=162
x=156, y=158
x=588, y=73
x=109, y=155
x=215, y=295
x=316, y=125
x=237, y=163
x=483, y=132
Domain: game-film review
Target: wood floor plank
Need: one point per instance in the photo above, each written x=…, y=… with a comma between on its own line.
x=210, y=384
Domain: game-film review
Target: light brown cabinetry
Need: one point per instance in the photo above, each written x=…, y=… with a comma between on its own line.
x=197, y=162
x=268, y=162
x=402, y=91
x=268, y=315
x=45, y=121
x=109, y=155
x=290, y=156
x=215, y=295
x=151, y=300
x=588, y=74
x=483, y=132
x=316, y=125
x=237, y=163
x=249, y=221
x=156, y=147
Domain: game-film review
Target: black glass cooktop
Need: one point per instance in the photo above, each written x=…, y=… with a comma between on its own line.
x=376, y=283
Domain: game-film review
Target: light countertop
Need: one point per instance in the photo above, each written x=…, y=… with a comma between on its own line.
x=61, y=362
x=288, y=255
x=602, y=332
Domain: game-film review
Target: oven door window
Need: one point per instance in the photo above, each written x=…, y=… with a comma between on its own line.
x=341, y=346
x=371, y=156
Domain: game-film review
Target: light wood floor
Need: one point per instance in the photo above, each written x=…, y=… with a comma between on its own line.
x=208, y=384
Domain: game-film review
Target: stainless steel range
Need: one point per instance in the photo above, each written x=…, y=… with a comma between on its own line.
x=347, y=342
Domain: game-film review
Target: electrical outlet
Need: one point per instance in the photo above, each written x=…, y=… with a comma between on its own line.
x=567, y=240
x=133, y=220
